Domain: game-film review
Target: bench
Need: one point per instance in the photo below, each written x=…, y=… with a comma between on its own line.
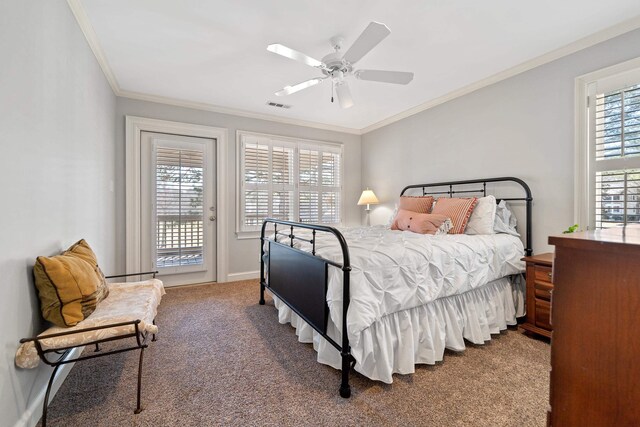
x=128, y=313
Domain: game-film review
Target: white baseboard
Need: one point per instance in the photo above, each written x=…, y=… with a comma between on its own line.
x=32, y=414
x=246, y=275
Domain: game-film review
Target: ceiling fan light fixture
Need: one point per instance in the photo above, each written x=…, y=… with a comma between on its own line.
x=344, y=95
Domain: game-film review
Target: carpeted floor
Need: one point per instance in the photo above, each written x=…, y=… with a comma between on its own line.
x=222, y=359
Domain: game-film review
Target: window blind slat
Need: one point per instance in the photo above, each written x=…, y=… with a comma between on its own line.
x=617, y=123
x=617, y=198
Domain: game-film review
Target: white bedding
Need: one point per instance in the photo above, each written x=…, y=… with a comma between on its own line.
x=396, y=271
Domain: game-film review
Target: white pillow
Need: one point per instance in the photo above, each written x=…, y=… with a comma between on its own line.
x=505, y=221
x=392, y=217
x=483, y=217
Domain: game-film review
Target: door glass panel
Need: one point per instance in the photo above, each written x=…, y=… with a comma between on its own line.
x=179, y=207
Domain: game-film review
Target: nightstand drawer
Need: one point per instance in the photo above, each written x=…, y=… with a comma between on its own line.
x=543, y=273
x=543, y=313
x=543, y=290
x=539, y=289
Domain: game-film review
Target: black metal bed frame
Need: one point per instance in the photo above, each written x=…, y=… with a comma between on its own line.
x=528, y=199
x=62, y=352
x=300, y=278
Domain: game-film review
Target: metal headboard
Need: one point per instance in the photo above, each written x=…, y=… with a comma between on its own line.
x=528, y=199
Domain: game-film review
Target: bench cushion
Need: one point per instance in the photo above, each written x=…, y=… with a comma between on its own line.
x=126, y=302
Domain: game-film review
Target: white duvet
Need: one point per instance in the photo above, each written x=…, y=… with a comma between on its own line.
x=398, y=270
x=414, y=295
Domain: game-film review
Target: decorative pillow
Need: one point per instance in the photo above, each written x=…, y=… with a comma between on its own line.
x=67, y=287
x=420, y=204
x=418, y=222
x=445, y=227
x=505, y=221
x=482, y=217
x=82, y=250
x=392, y=218
x=459, y=210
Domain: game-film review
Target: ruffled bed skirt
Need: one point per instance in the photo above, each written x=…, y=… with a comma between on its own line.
x=399, y=341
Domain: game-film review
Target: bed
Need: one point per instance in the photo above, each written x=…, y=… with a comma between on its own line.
x=401, y=297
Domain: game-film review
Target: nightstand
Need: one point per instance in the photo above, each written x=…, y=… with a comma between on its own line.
x=539, y=289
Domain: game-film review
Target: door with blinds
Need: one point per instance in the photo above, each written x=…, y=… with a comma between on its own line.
x=178, y=232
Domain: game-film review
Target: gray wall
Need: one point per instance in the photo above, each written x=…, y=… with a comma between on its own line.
x=57, y=116
x=522, y=126
x=243, y=254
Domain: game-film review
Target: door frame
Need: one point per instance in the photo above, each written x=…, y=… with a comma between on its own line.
x=134, y=126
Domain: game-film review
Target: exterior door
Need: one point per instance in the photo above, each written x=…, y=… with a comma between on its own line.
x=178, y=237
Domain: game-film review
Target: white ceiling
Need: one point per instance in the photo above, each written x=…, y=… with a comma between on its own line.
x=214, y=52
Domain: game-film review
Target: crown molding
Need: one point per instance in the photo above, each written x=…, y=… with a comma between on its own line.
x=92, y=39
x=583, y=43
x=580, y=44
x=234, y=112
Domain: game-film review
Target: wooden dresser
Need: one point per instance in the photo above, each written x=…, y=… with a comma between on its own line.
x=595, y=349
x=539, y=289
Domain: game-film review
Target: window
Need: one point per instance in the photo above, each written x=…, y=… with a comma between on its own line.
x=179, y=207
x=289, y=179
x=608, y=168
x=616, y=149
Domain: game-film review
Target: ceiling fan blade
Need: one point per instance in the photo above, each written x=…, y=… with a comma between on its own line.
x=397, y=77
x=344, y=95
x=287, y=52
x=288, y=90
x=370, y=37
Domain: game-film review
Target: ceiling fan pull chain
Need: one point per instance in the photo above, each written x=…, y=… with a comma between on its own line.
x=332, y=86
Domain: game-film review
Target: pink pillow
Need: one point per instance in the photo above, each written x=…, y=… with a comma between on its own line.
x=420, y=204
x=459, y=210
x=417, y=222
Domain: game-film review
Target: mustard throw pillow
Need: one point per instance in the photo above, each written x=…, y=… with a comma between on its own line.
x=67, y=287
x=82, y=250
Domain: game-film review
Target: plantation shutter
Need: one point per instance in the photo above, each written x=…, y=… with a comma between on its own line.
x=320, y=176
x=256, y=181
x=331, y=187
x=615, y=153
x=268, y=184
x=179, y=206
x=282, y=182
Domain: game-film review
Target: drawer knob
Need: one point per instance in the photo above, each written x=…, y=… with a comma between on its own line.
x=549, y=275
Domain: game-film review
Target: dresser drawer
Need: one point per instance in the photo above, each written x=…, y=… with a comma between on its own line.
x=543, y=273
x=543, y=313
x=543, y=290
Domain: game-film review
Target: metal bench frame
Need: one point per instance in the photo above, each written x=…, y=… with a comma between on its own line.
x=56, y=357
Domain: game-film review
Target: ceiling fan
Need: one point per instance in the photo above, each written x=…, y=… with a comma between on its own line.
x=337, y=66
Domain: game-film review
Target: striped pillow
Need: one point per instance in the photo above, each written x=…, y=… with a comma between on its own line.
x=459, y=210
x=419, y=204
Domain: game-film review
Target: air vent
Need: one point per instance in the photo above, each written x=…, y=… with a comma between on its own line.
x=277, y=105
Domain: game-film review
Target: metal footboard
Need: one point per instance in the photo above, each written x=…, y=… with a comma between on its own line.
x=300, y=279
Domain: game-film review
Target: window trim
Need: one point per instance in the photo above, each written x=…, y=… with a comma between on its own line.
x=298, y=142
x=582, y=183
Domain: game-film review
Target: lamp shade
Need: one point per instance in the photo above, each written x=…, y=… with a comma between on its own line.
x=368, y=198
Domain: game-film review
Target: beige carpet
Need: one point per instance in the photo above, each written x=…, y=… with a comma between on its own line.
x=222, y=359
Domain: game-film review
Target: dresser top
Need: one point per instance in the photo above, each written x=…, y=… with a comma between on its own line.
x=620, y=238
